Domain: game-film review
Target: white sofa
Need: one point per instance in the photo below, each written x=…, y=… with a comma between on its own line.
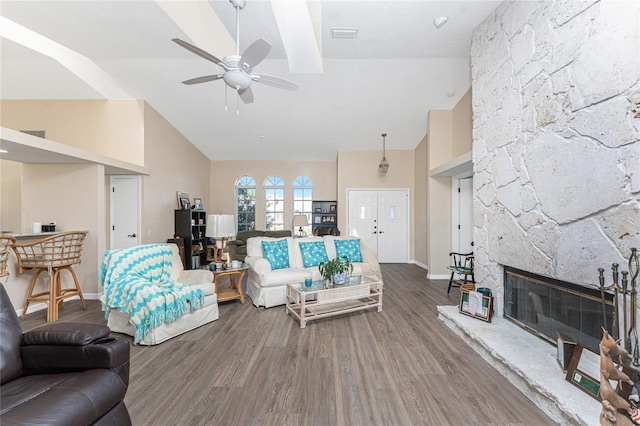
x=266, y=286
x=208, y=312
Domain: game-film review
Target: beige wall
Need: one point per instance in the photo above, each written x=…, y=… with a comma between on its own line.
x=174, y=165
x=113, y=128
x=359, y=170
x=76, y=196
x=420, y=204
x=10, y=196
x=439, y=151
x=449, y=136
x=462, y=126
x=72, y=195
x=225, y=173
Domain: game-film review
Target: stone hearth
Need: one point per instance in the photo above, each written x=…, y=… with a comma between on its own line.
x=526, y=361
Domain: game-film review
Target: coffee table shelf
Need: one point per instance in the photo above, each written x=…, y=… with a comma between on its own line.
x=315, y=302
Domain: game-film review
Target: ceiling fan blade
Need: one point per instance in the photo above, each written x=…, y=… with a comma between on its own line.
x=272, y=80
x=206, y=55
x=254, y=54
x=246, y=95
x=203, y=79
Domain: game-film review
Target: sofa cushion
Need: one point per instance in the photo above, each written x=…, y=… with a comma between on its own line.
x=277, y=253
x=349, y=248
x=313, y=253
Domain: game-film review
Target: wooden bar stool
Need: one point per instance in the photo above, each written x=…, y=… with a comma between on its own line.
x=6, y=242
x=53, y=254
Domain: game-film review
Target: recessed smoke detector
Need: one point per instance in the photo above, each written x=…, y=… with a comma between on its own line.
x=344, y=32
x=440, y=22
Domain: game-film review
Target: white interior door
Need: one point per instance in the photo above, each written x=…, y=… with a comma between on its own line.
x=463, y=215
x=363, y=213
x=392, y=226
x=125, y=211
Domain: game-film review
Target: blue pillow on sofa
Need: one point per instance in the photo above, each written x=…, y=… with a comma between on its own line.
x=277, y=253
x=349, y=248
x=313, y=253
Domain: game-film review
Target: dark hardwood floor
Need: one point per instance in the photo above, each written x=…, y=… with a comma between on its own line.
x=401, y=366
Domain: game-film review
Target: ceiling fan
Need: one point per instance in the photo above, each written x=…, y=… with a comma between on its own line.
x=238, y=69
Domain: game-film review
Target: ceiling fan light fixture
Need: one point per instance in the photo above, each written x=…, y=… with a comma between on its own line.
x=383, y=167
x=237, y=79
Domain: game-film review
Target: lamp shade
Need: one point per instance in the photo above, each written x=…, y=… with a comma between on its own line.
x=220, y=225
x=300, y=220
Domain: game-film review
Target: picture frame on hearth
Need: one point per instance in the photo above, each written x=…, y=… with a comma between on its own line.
x=476, y=305
x=584, y=373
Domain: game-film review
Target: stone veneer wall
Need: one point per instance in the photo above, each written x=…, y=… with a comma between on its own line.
x=556, y=139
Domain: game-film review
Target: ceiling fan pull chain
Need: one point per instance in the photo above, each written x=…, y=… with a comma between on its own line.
x=225, y=97
x=237, y=103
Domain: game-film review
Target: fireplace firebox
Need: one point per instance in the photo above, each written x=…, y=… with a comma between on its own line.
x=546, y=306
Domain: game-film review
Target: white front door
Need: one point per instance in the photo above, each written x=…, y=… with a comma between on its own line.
x=392, y=226
x=125, y=211
x=380, y=219
x=363, y=223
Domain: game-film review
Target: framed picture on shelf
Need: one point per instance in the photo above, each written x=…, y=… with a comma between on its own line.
x=332, y=208
x=317, y=220
x=197, y=203
x=332, y=219
x=318, y=210
x=325, y=219
x=183, y=200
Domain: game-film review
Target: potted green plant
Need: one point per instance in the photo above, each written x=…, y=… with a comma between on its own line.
x=335, y=271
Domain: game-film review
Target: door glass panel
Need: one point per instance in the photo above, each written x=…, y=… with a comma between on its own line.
x=362, y=212
x=392, y=212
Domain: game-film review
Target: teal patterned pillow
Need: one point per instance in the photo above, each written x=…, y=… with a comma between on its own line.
x=349, y=248
x=277, y=253
x=313, y=253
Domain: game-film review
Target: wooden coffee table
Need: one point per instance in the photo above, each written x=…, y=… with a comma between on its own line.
x=315, y=302
x=234, y=291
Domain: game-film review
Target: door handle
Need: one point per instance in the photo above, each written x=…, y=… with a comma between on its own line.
x=131, y=236
x=374, y=232
x=380, y=232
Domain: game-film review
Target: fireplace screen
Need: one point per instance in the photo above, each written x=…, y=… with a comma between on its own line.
x=546, y=307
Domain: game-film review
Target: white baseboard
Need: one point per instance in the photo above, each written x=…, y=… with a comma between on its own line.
x=422, y=265
x=35, y=307
x=438, y=277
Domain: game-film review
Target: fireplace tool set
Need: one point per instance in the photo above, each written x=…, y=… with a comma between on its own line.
x=629, y=329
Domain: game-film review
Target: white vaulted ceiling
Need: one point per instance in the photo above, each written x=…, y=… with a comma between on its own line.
x=350, y=91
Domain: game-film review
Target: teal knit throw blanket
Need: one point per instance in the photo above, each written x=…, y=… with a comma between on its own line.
x=137, y=281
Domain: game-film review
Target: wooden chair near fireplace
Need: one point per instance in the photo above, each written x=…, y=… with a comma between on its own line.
x=461, y=270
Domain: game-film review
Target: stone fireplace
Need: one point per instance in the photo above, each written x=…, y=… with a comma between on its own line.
x=556, y=140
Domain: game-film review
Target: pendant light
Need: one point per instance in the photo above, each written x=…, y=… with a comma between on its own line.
x=383, y=167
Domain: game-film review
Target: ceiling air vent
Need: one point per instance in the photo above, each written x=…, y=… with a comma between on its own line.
x=344, y=32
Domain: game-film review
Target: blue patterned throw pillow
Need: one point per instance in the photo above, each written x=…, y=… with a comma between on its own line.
x=349, y=248
x=313, y=253
x=277, y=253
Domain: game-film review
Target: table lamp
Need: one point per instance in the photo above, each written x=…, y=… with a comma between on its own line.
x=220, y=227
x=300, y=220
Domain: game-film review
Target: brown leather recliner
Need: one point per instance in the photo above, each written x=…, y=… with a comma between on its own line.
x=61, y=373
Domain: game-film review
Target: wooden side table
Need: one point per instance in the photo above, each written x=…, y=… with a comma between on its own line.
x=235, y=280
